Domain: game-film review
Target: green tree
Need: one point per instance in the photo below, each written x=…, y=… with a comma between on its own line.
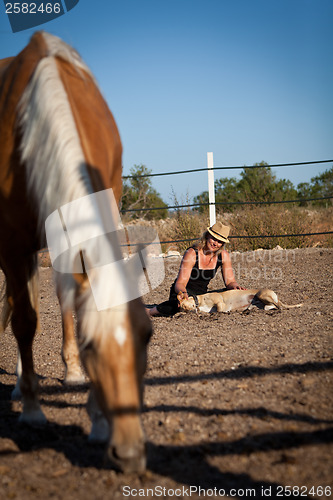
x=226, y=190
x=303, y=192
x=255, y=184
x=260, y=184
x=320, y=186
x=138, y=193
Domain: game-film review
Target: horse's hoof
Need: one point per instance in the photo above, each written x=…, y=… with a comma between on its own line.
x=100, y=431
x=16, y=394
x=74, y=379
x=33, y=418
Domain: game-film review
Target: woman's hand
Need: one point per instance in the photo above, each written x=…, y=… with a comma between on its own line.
x=182, y=295
x=235, y=286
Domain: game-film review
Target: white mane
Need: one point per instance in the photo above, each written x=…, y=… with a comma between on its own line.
x=51, y=149
x=57, y=47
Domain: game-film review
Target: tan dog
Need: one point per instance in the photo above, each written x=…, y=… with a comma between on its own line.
x=231, y=300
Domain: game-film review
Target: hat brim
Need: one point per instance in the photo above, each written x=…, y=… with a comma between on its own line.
x=220, y=238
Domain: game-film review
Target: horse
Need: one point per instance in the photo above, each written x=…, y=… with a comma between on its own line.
x=60, y=144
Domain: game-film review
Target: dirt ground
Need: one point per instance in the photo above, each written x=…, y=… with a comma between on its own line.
x=236, y=404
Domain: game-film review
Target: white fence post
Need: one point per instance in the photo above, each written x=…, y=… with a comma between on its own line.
x=211, y=190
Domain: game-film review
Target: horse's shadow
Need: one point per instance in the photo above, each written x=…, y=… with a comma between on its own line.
x=188, y=465
x=70, y=440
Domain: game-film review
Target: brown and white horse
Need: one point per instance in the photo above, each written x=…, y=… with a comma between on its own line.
x=59, y=143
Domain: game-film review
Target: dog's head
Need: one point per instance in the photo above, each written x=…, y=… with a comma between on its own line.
x=186, y=304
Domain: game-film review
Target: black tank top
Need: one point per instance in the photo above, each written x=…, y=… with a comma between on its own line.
x=200, y=278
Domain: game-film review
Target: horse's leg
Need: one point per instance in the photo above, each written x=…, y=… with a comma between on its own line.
x=16, y=393
x=4, y=320
x=100, y=430
x=70, y=352
x=24, y=324
x=5, y=313
x=33, y=288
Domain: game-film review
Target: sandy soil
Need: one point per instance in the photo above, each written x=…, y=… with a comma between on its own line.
x=237, y=404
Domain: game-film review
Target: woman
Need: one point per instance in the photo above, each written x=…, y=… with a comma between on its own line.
x=199, y=265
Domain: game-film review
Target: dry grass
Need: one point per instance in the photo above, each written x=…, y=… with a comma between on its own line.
x=270, y=221
x=255, y=221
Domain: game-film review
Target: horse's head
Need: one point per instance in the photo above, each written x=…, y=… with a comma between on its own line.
x=113, y=346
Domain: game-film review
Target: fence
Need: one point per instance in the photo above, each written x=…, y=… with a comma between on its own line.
x=214, y=203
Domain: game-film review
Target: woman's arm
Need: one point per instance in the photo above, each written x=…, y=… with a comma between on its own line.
x=228, y=273
x=185, y=270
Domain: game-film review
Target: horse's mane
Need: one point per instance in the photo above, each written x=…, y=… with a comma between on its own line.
x=50, y=148
x=58, y=48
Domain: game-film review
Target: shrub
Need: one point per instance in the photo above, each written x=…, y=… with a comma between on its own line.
x=270, y=220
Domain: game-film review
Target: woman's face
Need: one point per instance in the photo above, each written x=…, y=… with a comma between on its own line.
x=213, y=245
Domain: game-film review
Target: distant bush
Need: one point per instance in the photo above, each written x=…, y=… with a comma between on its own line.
x=269, y=220
x=253, y=221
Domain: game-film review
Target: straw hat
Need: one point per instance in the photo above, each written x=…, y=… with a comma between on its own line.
x=220, y=232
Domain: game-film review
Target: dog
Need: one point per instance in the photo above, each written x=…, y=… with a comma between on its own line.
x=231, y=300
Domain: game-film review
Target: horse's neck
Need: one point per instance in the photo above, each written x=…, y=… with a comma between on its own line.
x=4, y=63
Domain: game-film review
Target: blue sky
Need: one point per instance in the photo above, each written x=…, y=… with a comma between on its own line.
x=249, y=80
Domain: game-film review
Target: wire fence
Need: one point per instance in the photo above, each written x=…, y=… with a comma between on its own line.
x=249, y=237
x=189, y=240
x=206, y=204
x=191, y=205
x=231, y=237
x=228, y=203
x=157, y=174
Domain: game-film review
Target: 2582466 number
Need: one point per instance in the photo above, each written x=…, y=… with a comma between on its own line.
x=32, y=8
x=303, y=491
